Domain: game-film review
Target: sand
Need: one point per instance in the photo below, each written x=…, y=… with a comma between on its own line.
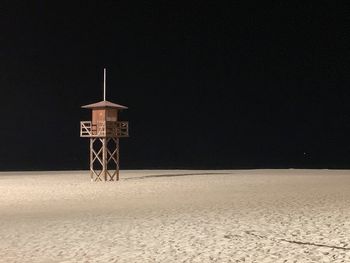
x=176, y=216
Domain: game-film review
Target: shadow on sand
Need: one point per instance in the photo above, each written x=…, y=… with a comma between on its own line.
x=291, y=241
x=314, y=244
x=173, y=175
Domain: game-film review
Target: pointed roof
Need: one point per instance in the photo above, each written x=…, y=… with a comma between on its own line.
x=104, y=104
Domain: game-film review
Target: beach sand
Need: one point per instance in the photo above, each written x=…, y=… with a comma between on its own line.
x=176, y=216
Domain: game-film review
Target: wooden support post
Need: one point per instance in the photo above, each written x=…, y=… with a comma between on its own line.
x=91, y=159
x=104, y=159
x=117, y=157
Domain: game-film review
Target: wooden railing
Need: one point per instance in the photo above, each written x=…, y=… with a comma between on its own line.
x=122, y=129
x=104, y=129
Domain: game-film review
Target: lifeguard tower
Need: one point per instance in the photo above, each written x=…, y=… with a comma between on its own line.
x=104, y=131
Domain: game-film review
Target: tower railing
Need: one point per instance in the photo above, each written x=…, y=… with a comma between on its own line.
x=104, y=129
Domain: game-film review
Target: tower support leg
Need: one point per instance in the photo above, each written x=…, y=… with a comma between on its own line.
x=104, y=159
x=91, y=159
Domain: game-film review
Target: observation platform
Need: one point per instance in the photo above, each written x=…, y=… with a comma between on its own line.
x=104, y=129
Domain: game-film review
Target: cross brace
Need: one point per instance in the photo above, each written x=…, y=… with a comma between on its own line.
x=104, y=159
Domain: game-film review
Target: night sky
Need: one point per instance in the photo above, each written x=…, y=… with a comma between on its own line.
x=208, y=84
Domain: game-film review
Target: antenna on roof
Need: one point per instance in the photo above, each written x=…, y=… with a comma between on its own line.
x=104, y=84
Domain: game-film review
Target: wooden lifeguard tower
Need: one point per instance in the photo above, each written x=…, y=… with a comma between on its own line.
x=104, y=131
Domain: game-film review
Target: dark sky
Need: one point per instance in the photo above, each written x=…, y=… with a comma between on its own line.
x=208, y=84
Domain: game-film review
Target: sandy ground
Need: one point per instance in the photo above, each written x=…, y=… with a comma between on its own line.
x=176, y=216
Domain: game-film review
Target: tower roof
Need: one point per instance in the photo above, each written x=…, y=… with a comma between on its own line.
x=104, y=104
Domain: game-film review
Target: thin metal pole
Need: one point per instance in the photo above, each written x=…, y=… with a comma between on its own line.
x=104, y=84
